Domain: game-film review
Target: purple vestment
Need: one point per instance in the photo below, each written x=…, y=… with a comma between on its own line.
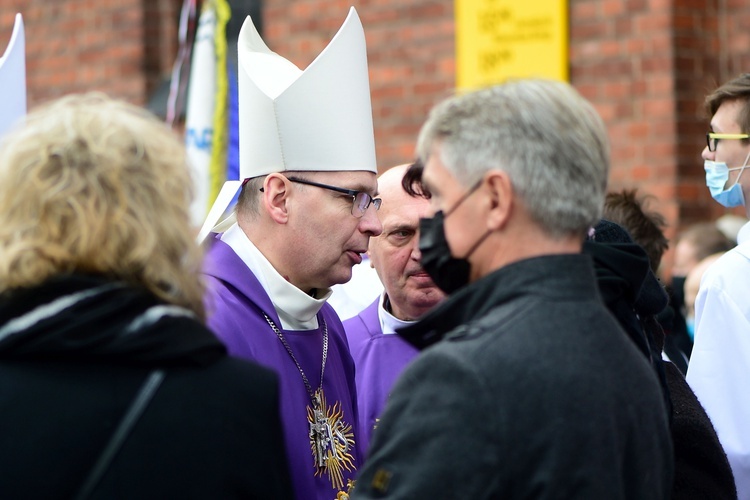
x=379, y=359
x=235, y=304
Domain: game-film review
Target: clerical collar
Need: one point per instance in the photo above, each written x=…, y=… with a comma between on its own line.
x=295, y=308
x=388, y=322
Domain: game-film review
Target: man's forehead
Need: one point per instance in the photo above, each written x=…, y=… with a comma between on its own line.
x=400, y=221
x=727, y=116
x=399, y=208
x=396, y=209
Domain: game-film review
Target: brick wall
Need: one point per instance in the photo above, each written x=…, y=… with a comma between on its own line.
x=410, y=55
x=121, y=47
x=645, y=64
x=622, y=59
x=697, y=72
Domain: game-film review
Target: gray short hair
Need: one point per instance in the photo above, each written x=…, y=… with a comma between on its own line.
x=248, y=203
x=548, y=138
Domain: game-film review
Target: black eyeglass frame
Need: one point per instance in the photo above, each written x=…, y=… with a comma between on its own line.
x=376, y=202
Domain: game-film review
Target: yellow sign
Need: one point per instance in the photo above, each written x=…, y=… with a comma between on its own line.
x=501, y=39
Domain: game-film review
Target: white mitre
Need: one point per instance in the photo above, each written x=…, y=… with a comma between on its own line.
x=13, y=78
x=319, y=119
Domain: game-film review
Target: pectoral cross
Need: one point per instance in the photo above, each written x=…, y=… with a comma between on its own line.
x=320, y=433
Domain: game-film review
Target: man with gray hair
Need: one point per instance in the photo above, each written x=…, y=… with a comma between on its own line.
x=527, y=387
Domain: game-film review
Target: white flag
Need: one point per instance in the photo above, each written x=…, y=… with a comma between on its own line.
x=199, y=127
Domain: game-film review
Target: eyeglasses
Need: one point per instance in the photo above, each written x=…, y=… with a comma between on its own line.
x=360, y=200
x=713, y=139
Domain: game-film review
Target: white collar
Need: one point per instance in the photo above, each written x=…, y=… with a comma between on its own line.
x=744, y=234
x=295, y=308
x=388, y=322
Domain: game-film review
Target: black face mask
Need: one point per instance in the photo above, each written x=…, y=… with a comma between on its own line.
x=449, y=273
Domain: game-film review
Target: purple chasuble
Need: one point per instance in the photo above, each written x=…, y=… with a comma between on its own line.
x=379, y=359
x=235, y=303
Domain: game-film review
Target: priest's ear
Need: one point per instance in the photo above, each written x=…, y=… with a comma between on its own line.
x=275, y=195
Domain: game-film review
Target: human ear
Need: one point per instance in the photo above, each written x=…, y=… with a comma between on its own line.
x=501, y=197
x=276, y=195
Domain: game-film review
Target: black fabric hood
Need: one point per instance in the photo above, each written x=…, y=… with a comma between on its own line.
x=92, y=319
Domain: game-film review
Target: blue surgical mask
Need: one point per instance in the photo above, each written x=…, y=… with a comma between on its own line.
x=717, y=175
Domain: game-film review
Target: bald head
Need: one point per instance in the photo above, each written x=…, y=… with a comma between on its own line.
x=389, y=182
x=395, y=253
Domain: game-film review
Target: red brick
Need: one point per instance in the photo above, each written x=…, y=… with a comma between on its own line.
x=585, y=10
x=613, y=7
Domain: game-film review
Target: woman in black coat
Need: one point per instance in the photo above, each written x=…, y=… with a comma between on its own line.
x=110, y=384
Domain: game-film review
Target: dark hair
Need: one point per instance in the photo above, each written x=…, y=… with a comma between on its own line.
x=645, y=226
x=733, y=90
x=412, y=181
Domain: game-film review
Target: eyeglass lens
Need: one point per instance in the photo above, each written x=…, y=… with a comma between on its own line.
x=362, y=202
x=711, y=143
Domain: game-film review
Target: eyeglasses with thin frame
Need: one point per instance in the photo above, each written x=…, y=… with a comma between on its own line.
x=712, y=139
x=360, y=200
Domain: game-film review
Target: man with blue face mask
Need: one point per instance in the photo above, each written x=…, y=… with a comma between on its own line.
x=720, y=362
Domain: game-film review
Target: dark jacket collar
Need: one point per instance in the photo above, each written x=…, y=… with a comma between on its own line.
x=94, y=319
x=553, y=276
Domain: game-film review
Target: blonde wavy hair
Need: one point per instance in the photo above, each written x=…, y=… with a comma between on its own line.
x=94, y=185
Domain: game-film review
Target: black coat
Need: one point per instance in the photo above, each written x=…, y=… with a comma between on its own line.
x=635, y=297
x=534, y=391
x=68, y=375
